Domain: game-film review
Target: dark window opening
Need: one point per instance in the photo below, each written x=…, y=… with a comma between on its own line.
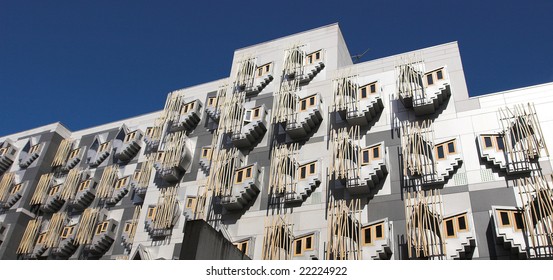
x=441, y=153
x=451, y=147
x=364, y=92
x=440, y=75
x=519, y=223
x=429, y=79
x=373, y=88
x=312, y=168
x=462, y=223
x=378, y=231
x=308, y=242
x=298, y=247
x=248, y=172
x=368, y=236
x=504, y=218
x=376, y=152
x=450, y=229
x=365, y=156
x=302, y=172
x=488, y=142
x=500, y=144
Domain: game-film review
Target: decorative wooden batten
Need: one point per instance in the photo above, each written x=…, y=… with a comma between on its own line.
x=302, y=66
x=106, y=186
x=213, y=107
x=160, y=220
x=7, y=182
x=129, y=230
x=41, y=192
x=424, y=219
x=277, y=238
x=174, y=158
x=55, y=227
x=250, y=78
x=232, y=113
x=520, y=142
x=536, y=195
x=357, y=105
x=71, y=184
x=99, y=151
x=7, y=155
x=87, y=225
x=423, y=91
x=141, y=177
x=30, y=236
x=289, y=178
x=253, y=128
x=182, y=113
x=344, y=229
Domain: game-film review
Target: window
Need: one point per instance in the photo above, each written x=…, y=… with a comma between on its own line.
x=455, y=224
x=211, y=101
x=242, y=246
x=3, y=151
x=128, y=227
x=191, y=202
x=74, y=153
x=102, y=227
x=34, y=149
x=187, y=108
x=511, y=218
x=256, y=113
x=372, y=233
x=243, y=174
x=53, y=190
x=263, y=69
x=136, y=175
x=16, y=188
x=206, y=153
x=84, y=185
x=67, y=231
x=160, y=156
x=439, y=75
x=150, y=131
x=444, y=149
x=307, y=102
x=130, y=136
x=367, y=89
x=370, y=154
x=312, y=57
x=41, y=238
x=429, y=79
x=103, y=147
x=491, y=141
x=303, y=244
x=121, y=182
x=248, y=115
x=307, y=170
x=151, y=212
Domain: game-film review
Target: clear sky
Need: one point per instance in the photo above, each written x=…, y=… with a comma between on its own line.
x=86, y=63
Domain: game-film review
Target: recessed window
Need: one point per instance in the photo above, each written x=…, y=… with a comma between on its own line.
x=373, y=88
x=307, y=170
x=242, y=246
x=53, y=190
x=263, y=69
x=439, y=75
x=128, y=227
x=191, y=202
x=136, y=175
x=429, y=79
x=370, y=154
x=84, y=185
x=151, y=212
x=492, y=141
x=121, y=182
x=206, y=153
x=16, y=188
x=499, y=143
x=445, y=149
x=211, y=101
x=242, y=174
x=313, y=57
x=160, y=156
x=303, y=244
x=367, y=89
x=372, y=233
x=41, y=238
x=488, y=142
x=74, y=153
x=130, y=136
x=256, y=113
x=449, y=228
x=511, y=218
x=453, y=225
x=519, y=220
x=504, y=218
x=103, y=147
x=34, y=149
x=102, y=227
x=248, y=115
x=188, y=107
x=67, y=231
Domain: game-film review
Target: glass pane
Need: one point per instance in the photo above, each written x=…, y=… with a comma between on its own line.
x=303, y=104
x=298, y=247
x=440, y=75
x=429, y=79
x=450, y=230
x=308, y=241
x=364, y=92
x=488, y=142
x=249, y=172
x=379, y=232
x=248, y=115
x=461, y=221
x=373, y=88
x=365, y=156
x=367, y=235
x=451, y=147
x=500, y=144
x=504, y=216
x=440, y=151
x=239, y=176
x=519, y=224
x=376, y=152
x=312, y=168
x=302, y=172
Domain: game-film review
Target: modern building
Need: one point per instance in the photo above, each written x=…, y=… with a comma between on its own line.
x=298, y=154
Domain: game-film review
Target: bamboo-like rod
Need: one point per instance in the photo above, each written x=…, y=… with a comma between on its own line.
x=6, y=183
x=69, y=188
x=30, y=235
x=245, y=72
x=346, y=92
x=86, y=226
x=63, y=152
x=344, y=226
x=409, y=72
x=346, y=146
x=284, y=166
x=41, y=192
x=166, y=209
x=174, y=149
x=57, y=222
x=277, y=238
x=107, y=182
x=134, y=223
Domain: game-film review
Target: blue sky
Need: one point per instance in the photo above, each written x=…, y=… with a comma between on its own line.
x=85, y=63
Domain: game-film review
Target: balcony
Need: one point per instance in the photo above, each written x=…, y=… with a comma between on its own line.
x=85, y=194
x=130, y=146
x=424, y=92
x=460, y=236
x=67, y=244
x=244, y=190
x=98, y=153
x=188, y=117
x=377, y=240
x=14, y=195
x=120, y=190
x=308, y=178
x=141, y=178
x=172, y=170
x=7, y=156
x=54, y=202
x=306, y=119
x=372, y=168
x=366, y=106
x=509, y=230
x=40, y=248
x=29, y=155
x=103, y=238
x=253, y=128
x=301, y=66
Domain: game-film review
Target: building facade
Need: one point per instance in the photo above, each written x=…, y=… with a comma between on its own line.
x=298, y=154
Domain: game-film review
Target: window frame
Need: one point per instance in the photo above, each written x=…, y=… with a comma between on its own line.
x=494, y=141
x=263, y=70
x=128, y=227
x=74, y=153
x=67, y=231
x=130, y=136
x=41, y=238
x=53, y=190
x=370, y=157
x=207, y=152
x=303, y=244
x=372, y=234
x=311, y=58
x=307, y=168
x=244, y=171
x=368, y=90
x=102, y=227
x=34, y=148
x=121, y=182
x=240, y=245
x=512, y=219
x=211, y=101
x=151, y=212
x=193, y=200
x=308, y=102
x=445, y=147
x=84, y=185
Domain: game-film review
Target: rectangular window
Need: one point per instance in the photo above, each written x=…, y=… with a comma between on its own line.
x=130, y=136
x=298, y=247
x=367, y=234
x=303, y=244
x=103, y=227
x=440, y=152
x=84, y=185
x=462, y=223
x=16, y=189
x=191, y=202
x=136, y=175
x=263, y=69
x=500, y=146
x=519, y=220
x=67, y=231
x=449, y=228
x=363, y=92
x=365, y=157
x=74, y=153
x=41, y=238
x=504, y=218
x=128, y=227
x=373, y=88
x=121, y=182
x=248, y=116
x=34, y=149
x=103, y=147
x=488, y=142
x=211, y=101
x=242, y=246
x=206, y=153
x=376, y=152
x=429, y=79
x=160, y=156
x=303, y=173
x=249, y=172
x=309, y=243
x=311, y=100
x=312, y=168
x=53, y=190
x=151, y=212
x=239, y=175
x=256, y=113
x=451, y=147
x=439, y=75
x=379, y=234
x=303, y=105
